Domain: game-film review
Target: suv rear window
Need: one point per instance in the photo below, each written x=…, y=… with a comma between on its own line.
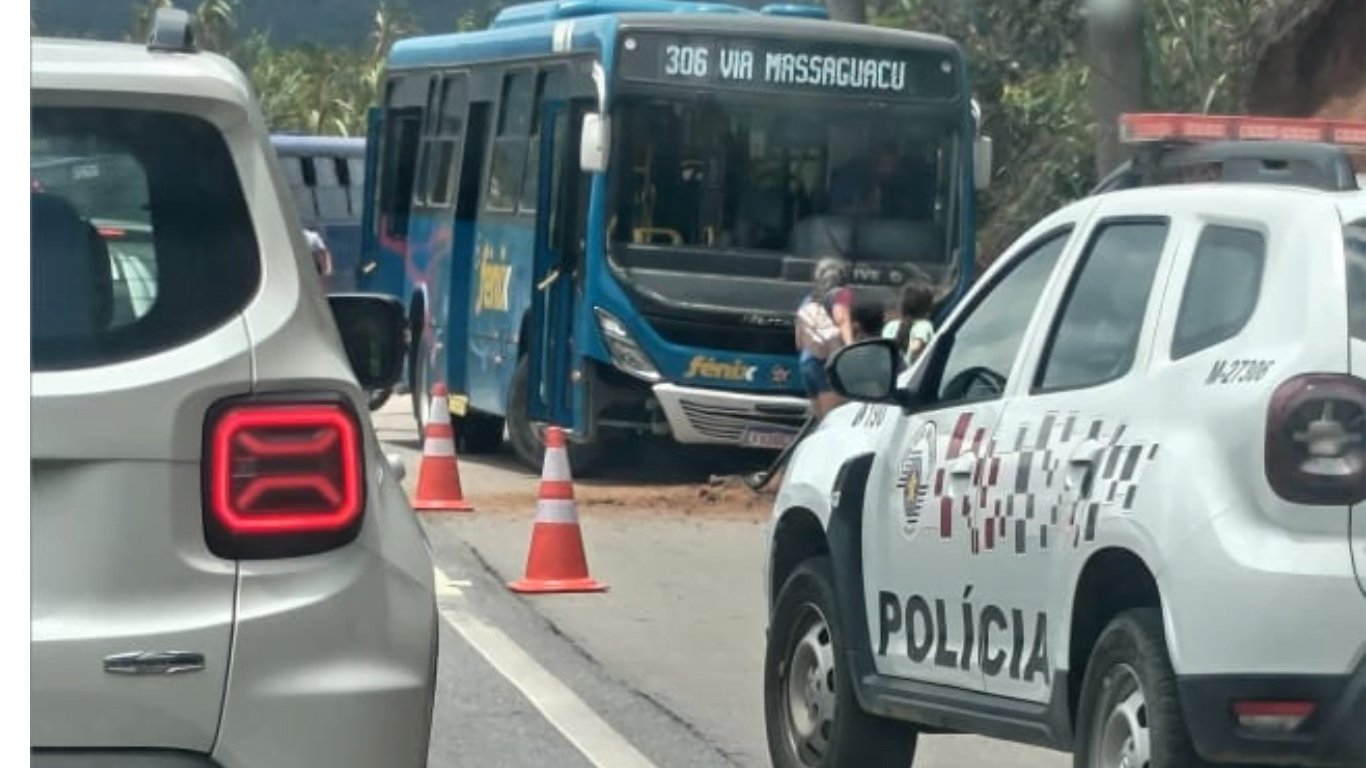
x=1356, y=278
x=141, y=237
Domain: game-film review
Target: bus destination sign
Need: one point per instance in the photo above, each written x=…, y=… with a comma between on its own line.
x=788, y=65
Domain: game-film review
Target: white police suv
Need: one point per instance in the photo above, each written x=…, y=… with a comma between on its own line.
x=225, y=572
x=1119, y=506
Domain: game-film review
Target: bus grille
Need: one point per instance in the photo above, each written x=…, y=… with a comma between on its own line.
x=724, y=423
x=729, y=336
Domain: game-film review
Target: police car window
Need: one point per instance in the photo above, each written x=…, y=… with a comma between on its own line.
x=1221, y=290
x=1356, y=278
x=130, y=254
x=1098, y=331
x=985, y=344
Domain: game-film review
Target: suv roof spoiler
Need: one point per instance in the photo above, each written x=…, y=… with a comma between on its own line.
x=1177, y=149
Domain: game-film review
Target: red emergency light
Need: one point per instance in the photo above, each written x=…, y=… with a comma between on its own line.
x=1138, y=128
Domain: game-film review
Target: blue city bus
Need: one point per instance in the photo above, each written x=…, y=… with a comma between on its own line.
x=326, y=175
x=604, y=213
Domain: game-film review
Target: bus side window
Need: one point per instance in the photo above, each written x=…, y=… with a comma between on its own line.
x=472, y=160
x=549, y=85
x=509, y=147
x=441, y=149
x=328, y=190
x=398, y=163
x=422, y=186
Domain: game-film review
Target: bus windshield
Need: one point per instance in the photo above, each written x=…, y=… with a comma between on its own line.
x=792, y=177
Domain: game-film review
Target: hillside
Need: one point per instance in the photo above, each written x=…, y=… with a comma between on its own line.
x=327, y=22
x=330, y=22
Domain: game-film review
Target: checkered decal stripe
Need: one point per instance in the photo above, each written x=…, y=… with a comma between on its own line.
x=1019, y=486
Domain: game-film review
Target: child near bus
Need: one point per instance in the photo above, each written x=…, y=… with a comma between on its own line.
x=913, y=330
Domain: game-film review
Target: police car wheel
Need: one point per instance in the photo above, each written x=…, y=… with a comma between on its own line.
x=1130, y=716
x=811, y=713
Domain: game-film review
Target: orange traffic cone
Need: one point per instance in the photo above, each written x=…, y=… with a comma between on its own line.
x=556, y=562
x=438, y=476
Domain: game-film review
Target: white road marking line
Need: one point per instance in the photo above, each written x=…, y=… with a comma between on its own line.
x=561, y=707
x=448, y=586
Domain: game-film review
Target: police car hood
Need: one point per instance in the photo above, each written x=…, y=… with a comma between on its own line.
x=844, y=433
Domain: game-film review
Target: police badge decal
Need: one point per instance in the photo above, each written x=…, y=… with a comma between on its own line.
x=915, y=469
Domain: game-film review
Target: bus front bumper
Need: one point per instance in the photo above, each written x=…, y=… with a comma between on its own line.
x=719, y=417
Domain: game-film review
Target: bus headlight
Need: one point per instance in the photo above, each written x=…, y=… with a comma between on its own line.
x=627, y=355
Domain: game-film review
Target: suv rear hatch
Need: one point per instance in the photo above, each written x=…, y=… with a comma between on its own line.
x=135, y=331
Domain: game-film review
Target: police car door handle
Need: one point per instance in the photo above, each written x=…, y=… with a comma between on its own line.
x=963, y=466
x=1087, y=453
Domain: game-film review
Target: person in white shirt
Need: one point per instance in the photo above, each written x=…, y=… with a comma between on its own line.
x=322, y=256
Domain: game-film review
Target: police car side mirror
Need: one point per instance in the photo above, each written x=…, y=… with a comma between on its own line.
x=372, y=328
x=981, y=167
x=866, y=371
x=594, y=140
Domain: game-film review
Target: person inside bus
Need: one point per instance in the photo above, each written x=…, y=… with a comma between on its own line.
x=883, y=183
x=322, y=255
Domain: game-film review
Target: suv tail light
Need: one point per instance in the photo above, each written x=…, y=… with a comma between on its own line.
x=282, y=478
x=1316, y=440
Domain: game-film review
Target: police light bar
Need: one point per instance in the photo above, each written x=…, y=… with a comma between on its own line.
x=1155, y=127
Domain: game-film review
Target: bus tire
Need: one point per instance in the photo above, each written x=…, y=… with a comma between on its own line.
x=417, y=383
x=479, y=433
x=585, y=459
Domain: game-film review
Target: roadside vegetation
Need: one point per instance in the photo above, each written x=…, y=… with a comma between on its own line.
x=1028, y=60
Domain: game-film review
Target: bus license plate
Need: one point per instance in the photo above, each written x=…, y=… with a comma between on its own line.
x=767, y=438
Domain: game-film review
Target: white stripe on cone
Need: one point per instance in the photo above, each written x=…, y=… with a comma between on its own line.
x=556, y=465
x=439, y=412
x=438, y=446
x=556, y=511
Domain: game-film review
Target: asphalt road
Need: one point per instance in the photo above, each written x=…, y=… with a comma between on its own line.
x=661, y=670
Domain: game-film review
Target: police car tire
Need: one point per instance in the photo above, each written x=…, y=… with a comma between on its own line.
x=856, y=737
x=1133, y=643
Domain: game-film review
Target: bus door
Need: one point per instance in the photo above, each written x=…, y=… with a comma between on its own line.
x=558, y=268
x=367, y=267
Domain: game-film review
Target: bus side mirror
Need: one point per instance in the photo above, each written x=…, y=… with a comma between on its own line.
x=594, y=140
x=981, y=169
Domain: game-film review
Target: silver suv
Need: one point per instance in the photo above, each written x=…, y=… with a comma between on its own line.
x=225, y=569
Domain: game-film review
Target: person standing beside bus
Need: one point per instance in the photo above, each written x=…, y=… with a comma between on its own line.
x=824, y=325
x=322, y=255
x=912, y=331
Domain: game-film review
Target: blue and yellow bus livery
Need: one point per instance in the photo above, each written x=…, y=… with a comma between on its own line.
x=603, y=213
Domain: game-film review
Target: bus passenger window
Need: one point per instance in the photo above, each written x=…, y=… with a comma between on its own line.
x=549, y=84
x=442, y=147
x=405, y=101
x=396, y=190
x=509, y=148
x=309, y=172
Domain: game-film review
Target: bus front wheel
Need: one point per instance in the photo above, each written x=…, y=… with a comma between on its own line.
x=528, y=440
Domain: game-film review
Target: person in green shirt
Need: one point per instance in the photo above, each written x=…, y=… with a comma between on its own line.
x=912, y=331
